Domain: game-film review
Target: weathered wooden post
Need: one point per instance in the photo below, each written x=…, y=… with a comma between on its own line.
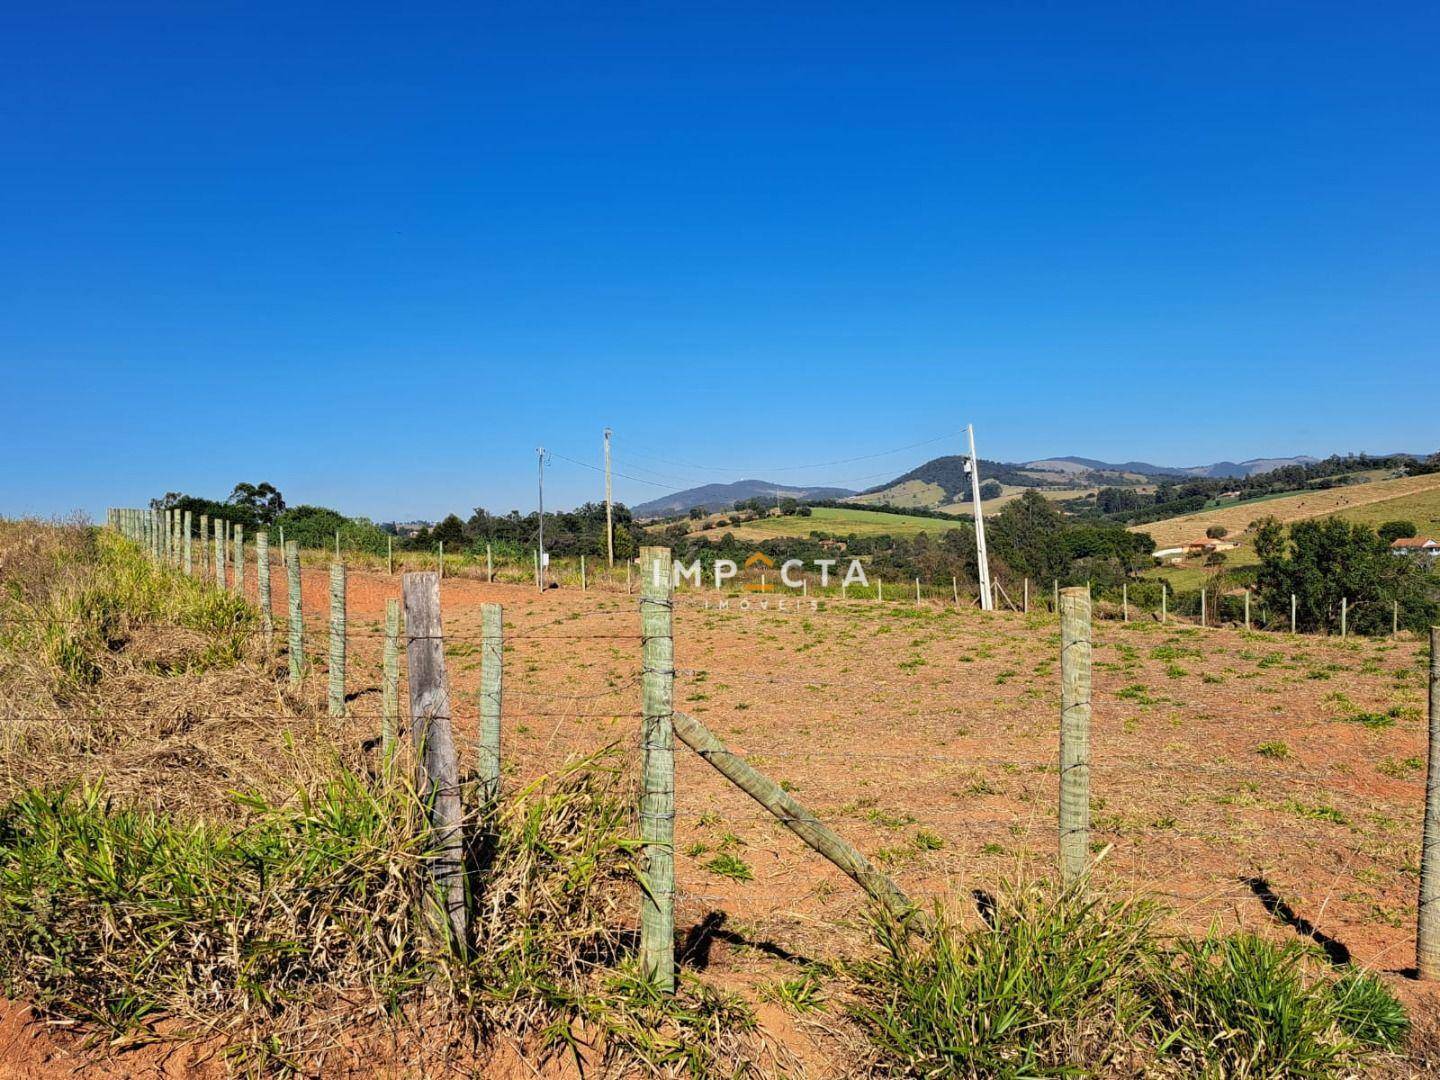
x=955, y=589
x=583, y=585
x=492, y=667
x=1202, y=607
x=1164, y=602
x=1247, y=609
x=204, y=544
x=917, y=590
x=389, y=555
x=337, y=544
x=1427, y=934
x=1292, y=613
x=879, y=590
x=390, y=683
x=1056, y=588
x=1026, y=608
x=437, y=767
x=1394, y=618
x=657, y=796
x=1125, y=600
x=1344, y=615
x=489, y=565
x=239, y=559
x=189, y=556
x=297, y=618
x=337, y=639
x=262, y=587
x=1074, y=734
x=219, y=554
x=441, y=561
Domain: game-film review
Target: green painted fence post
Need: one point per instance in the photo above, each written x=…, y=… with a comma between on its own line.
x=1427, y=933
x=337, y=639
x=297, y=618
x=390, y=684
x=657, y=797
x=262, y=586
x=1074, y=733
x=492, y=668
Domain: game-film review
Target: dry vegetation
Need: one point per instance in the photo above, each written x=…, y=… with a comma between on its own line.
x=1390, y=498
x=278, y=929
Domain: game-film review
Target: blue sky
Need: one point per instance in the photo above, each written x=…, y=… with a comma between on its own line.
x=377, y=255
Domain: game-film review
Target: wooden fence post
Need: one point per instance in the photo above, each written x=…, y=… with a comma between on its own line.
x=1202, y=607
x=219, y=554
x=489, y=565
x=1026, y=608
x=337, y=639
x=389, y=555
x=1394, y=617
x=880, y=590
x=175, y=544
x=955, y=589
x=657, y=796
x=583, y=585
x=1057, y=596
x=204, y=544
x=1292, y=613
x=441, y=560
x=1344, y=615
x=1125, y=600
x=437, y=768
x=262, y=586
x=1074, y=734
x=1247, y=609
x=239, y=560
x=1427, y=934
x=189, y=554
x=390, y=683
x=1164, y=602
x=917, y=590
x=792, y=814
x=297, y=616
x=492, y=667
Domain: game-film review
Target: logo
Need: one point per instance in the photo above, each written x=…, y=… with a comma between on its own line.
x=763, y=561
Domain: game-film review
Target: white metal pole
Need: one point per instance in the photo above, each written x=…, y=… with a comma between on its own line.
x=982, y=559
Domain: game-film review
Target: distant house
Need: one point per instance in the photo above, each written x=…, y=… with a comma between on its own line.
x=1415, y=545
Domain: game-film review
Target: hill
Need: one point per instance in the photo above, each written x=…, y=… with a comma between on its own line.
x=840, y=521
x=711, y=497
x=1413, y=497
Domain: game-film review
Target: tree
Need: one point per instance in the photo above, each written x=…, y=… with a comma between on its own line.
x=1216, y=532
x=450, y=532
x=991, y=489
x=1398, y=530
x=263, y=500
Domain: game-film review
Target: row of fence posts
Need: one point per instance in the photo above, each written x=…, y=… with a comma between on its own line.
x=438, y=768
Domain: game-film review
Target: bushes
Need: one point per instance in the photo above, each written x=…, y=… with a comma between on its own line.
x=1064, y=983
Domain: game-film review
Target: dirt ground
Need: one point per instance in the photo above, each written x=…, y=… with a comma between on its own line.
x=1262, y=780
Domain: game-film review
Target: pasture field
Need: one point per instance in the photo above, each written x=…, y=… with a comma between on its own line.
x=1380, y=500
x=841, y=522
x=1257, y=781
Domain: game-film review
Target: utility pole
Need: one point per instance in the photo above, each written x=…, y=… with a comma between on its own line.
x=609, y=511
x=540, y=555
x=987, y=602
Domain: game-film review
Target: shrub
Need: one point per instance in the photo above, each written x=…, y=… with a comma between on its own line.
x=1217, y=532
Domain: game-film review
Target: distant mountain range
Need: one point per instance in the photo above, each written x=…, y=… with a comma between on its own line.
x=942, y=482
x=723, y=496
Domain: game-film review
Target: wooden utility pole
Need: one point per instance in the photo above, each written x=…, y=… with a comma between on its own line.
x=657, y=794
x=437, y=766
x=982, y=558
x=1074, y=733
x=609, y=507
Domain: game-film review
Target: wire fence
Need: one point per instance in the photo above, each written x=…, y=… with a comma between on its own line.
x=882, y=760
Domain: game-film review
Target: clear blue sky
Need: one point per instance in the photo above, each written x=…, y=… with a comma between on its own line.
x=375, y=255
